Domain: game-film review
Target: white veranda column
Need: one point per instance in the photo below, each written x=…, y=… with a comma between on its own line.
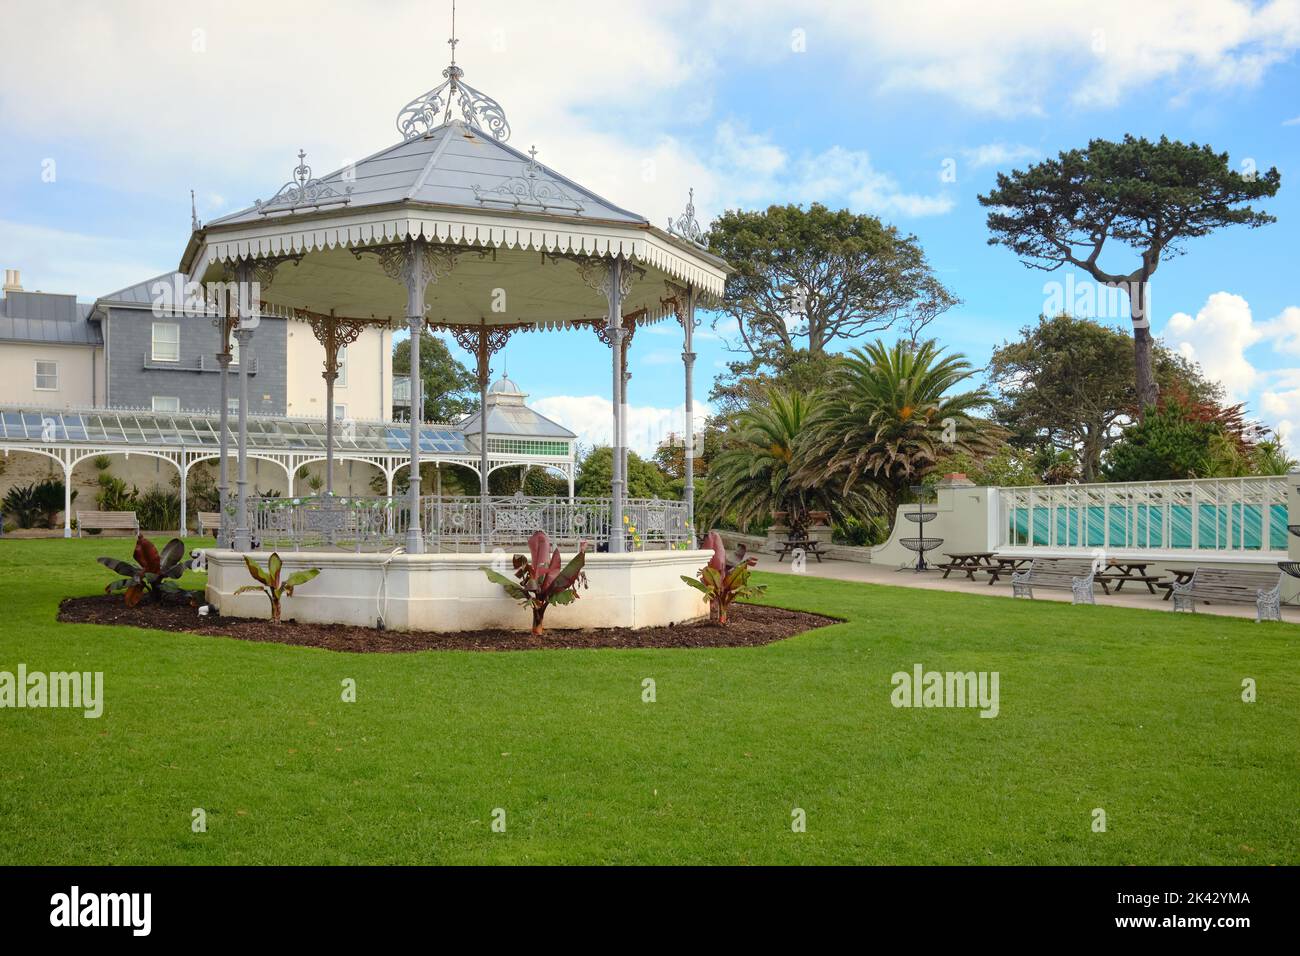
x=414, y=273
x=687, y=314
x=614, y=293
x=248, y=320
x=67, y=498
x=184, y=467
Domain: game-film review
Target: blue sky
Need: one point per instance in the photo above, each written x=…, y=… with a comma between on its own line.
x=851, y=104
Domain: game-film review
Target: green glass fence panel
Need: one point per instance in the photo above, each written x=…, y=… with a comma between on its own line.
x=1277, y=533
x=1042, y=518
x=1180, y=526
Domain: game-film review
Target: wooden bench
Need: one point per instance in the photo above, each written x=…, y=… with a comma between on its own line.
x=209, y=522
x=1076, y=574
x=107, y=521
x=1233, y=586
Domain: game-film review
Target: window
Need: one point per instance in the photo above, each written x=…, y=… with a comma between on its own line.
x=340, y=412
x=166, y=342
x=342, y=380
x=162, y=403
x=47, y=376
x=232, y=406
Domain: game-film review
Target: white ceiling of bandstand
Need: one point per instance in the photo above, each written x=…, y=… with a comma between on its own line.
x=539, y=287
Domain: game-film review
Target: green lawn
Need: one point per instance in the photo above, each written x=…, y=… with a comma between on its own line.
x=1135, y=712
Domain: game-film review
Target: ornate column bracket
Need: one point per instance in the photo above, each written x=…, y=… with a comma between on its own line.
x=682, y=301
x=439, y=258
x=482, y=341
x=595, y=273
x=263, y=268
x=334, y=333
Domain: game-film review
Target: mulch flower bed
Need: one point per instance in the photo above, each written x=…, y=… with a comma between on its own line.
x=751, y=625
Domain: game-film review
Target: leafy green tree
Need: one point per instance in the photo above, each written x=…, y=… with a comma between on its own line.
x=450, y=389
x=596, y=472
x=753, y=476
x=1149, y=197
x=1068, y=383
x=809, y=281
x=889, y=415
x=1165, y=446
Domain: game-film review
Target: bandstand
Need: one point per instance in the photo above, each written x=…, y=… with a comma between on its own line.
x=453, y=229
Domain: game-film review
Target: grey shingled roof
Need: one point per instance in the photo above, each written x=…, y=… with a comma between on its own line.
x=141, y=294
x=47, y=318
x=441, y=169
x=515, y=421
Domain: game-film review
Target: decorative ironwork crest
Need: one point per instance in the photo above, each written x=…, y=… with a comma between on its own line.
x=595, y=274
x=687, y=227
x=439, y=260
x=304, y=190
x=425, y=113
x=679, y=297
x=529, y=189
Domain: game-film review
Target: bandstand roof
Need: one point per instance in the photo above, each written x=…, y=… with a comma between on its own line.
x=516, y=225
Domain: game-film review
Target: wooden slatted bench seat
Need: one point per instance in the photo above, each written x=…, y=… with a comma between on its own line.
x=1233, y=586
x=209, y=522
x=107, y=521
x=1075, y=574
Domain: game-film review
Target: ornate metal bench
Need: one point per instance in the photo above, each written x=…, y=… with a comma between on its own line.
x=1233, y=586
x=1076, y=574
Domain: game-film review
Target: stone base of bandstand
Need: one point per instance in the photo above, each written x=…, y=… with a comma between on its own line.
x=449, y=592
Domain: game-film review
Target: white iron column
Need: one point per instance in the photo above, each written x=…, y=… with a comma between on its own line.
x=331, y=373
x=248, y=319
x=688, y=438
x=617, y=539
x=183, y=464
x=67, y=497
x=483, y=373
x=415, y=283
x=223, y=481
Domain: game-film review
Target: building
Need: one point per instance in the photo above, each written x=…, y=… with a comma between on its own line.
x=132, y=349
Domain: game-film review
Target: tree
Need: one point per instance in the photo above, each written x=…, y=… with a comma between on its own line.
x=596, y=472
x=808, y=279
x=753, y=476
x=888, y=418
x=1149, y=197
x=449, y=387
x=670, y=456
x=1068, y=384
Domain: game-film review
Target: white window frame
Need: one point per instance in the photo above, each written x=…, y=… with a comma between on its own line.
x=37, y=375
x=340, y=412
x=342, y=380
x=165, y=398
x=153, y=342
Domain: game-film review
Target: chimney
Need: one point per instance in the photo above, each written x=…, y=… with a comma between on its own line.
x=13, y=281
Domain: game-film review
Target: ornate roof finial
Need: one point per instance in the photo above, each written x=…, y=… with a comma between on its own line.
x=686, y=226
x=194, y=214
x=303, y=190
x=420, y=117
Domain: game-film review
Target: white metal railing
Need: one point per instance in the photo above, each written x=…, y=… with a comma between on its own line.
x=1204, y=514
x=367, y=523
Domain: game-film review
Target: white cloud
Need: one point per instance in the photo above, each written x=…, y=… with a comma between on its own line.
x=1284, y=330
x=998, y=154
x=55, y=260
x=591, y=417
x=1294, y=121
x=1218, y=338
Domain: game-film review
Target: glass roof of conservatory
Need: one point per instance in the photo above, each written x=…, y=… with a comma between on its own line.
x=193, y=431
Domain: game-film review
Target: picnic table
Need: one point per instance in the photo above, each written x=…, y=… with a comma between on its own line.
x=806, y=545
x=1181, y=576
x=968, y=562
x=1118, y=572
x=1004, y=565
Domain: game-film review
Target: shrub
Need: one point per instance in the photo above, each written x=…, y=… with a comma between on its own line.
x=269, y=583
x=724, y=585
x=153, y=574
x=539, y=579
x=159, y=509
x=22, y=504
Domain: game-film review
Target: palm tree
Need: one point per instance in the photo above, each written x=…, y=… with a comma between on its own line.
x=887, y=419
x=753, y=476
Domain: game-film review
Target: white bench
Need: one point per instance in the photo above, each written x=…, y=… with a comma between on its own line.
x=1076, y=574
x=107, y=521
x=209, y=522
x=1233, y=586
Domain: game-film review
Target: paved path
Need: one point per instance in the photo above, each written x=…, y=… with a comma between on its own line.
x=1134, y=595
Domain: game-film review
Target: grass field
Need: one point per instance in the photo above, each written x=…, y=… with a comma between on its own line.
x=1138, y=713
